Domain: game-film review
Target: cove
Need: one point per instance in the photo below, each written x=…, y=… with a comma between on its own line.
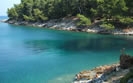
x=36, y=55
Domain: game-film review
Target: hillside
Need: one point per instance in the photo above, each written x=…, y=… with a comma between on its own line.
x=111, y=13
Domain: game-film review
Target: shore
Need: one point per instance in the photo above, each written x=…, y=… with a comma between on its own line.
x=69, y=24
x=107, y=73
x=102, y=74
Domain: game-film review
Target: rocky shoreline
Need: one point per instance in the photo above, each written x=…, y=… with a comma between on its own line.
x=107, y=73
x=69, y=24
x=97, y=75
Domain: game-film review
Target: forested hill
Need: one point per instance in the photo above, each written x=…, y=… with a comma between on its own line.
x=112, y=13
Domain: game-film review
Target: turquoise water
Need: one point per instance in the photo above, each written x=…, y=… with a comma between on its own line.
x=36, y=55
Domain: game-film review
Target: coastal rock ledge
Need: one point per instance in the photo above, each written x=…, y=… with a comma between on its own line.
x=96, y=75
x=107, y=73
x=70, y=24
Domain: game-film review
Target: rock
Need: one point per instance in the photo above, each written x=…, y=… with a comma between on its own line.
x=130, y=81
x=70, y=24
x=96, y=75
x=126, y=61
x=4, y=20
x=11, y=22
x=91, y=30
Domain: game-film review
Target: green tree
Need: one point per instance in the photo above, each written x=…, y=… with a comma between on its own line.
x=110, y=11
x=107, y=26
x=28, y=18
x=39, y=16
x=111, y=8
x=84, y=21
x=129, y=4
x=12, y=14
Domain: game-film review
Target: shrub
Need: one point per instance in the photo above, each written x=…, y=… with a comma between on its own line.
x=126, y=20
x=107, y=26
x=12, y=14
x=39, y=16
x=28, y=18
x=84, y=21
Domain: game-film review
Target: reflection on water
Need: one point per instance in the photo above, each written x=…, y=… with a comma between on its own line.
x=99, y=44
x=92, y=44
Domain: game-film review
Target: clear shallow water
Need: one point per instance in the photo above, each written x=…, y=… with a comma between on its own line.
x=35, y=55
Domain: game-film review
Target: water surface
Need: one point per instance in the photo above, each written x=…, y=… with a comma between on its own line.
x=36, y=55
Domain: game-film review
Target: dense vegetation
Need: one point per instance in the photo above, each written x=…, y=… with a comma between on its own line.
x=112, y=13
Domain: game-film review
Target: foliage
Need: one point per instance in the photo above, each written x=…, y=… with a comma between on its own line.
x=12, y=14
x=42, y=10
x=94, y=11
x=126, y=20
x=84, y=21
x=39, y=16
x=28, y=18
x=107, y=26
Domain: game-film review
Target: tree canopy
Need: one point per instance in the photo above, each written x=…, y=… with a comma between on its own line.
x=42, y=10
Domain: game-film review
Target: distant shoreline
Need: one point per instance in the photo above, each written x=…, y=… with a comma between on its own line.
x=70, y=25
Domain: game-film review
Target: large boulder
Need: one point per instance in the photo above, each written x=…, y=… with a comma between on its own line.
x=126, y=61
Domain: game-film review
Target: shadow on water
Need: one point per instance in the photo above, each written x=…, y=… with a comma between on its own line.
x=93, y=44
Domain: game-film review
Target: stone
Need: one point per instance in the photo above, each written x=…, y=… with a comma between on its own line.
x=130, y=81
x=126, y=61
x=96, y=75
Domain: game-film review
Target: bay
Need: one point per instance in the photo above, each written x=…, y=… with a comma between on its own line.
x=38, y=55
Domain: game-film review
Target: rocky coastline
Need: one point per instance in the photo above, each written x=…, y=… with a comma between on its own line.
x=69, y=24
x=107, y=73
x=97, y=75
